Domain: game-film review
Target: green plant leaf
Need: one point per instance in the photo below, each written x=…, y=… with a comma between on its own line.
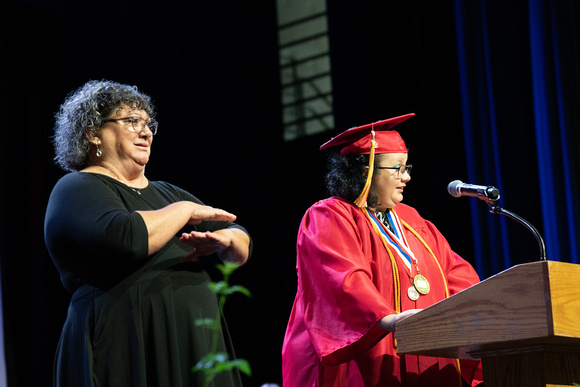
x=227, y=268
x=239, y=289
x=214, y=363
x=222, y=288
x=241, y=364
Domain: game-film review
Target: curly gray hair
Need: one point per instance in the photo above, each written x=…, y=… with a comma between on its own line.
x=85, y=109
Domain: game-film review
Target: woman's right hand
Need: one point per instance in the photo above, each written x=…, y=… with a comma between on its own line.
x=389, y=322
x=200, y=213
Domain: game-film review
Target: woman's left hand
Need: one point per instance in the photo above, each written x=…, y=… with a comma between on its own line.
x=224, y=243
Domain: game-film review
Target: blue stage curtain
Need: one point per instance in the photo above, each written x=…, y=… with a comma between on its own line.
x=520, y=80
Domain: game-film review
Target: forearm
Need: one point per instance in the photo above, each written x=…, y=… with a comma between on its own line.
x=165, y=223
x=239, y=249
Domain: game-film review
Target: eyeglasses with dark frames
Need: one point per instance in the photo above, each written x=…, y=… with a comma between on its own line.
x=401, y=169
x=138, y=124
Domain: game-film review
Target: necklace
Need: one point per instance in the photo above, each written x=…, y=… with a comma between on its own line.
x=138, y=190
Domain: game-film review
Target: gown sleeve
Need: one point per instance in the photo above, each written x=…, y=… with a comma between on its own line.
x=342, y=304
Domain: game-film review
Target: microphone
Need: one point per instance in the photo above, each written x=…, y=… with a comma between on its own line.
x=458, y=188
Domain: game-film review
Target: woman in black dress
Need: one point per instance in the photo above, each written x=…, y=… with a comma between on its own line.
x=128, y=250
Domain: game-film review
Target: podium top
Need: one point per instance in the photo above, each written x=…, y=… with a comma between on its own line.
x=527, y=305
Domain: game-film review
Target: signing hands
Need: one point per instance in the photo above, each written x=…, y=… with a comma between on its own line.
x=205, y=243
x=230, y=244
x=200, y=212
x=163, y=224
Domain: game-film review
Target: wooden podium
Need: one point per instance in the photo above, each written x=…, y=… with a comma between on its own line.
x=523, y=323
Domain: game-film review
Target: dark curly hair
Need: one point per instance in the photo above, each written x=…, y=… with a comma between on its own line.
x=85, y=109
x=345, y=177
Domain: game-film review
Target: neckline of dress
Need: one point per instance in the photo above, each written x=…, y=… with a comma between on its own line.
x=114, y=176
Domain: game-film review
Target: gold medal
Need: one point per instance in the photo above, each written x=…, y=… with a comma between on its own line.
x=421, y=284
x=413, y=293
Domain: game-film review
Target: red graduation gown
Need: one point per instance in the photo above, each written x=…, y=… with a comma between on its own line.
x=345, y=286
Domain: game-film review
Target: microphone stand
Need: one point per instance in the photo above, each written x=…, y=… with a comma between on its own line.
x=494, y=208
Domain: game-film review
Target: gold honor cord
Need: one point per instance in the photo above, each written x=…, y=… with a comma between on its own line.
x=396, y=279
x=361, y=201
x=430, y=252
x=395, y=269
x=442, y=275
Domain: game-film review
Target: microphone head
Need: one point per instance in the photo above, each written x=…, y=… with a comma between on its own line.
x=453, y=188
x=492, y=193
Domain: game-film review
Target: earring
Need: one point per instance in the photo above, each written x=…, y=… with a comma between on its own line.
x=99, y=153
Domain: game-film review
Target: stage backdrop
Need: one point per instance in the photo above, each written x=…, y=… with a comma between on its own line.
x=494, y=86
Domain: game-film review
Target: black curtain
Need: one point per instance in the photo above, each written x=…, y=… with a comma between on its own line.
x=492, y=108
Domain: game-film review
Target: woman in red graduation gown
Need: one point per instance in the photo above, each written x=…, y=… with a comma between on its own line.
x=365, y=261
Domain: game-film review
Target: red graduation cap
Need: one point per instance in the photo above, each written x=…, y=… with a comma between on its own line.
x=375, y=138
x=357, y=140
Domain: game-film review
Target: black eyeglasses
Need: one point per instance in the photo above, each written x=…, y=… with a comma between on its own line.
x=401, y=169
x=138, y=124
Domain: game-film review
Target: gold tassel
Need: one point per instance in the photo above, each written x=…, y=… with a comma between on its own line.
x=361, y=201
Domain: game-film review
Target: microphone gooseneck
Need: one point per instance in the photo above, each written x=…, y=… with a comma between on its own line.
x=490, y=195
